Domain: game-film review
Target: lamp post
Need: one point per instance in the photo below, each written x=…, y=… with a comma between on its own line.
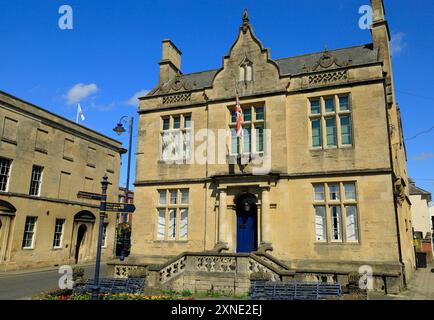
x=96, y=287
x=120, y=129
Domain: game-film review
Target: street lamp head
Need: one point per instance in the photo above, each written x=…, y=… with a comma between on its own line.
x=119, y=129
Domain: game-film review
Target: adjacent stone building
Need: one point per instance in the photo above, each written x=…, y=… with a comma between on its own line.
x=317, y=179
x=421, y=219
x=420, y=200
x=50, y=169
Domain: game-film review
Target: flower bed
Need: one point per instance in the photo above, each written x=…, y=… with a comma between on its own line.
x=68, y=295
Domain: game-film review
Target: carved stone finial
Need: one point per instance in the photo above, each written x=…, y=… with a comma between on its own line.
x=246, y=21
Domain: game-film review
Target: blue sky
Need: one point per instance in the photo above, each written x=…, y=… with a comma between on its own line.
x=114, y=47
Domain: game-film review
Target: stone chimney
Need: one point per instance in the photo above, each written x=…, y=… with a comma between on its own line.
x=380, y=29
x=381, y=40
x=170, y=64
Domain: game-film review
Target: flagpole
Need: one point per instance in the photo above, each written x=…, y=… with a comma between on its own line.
x=76, y=118
x=238, y=135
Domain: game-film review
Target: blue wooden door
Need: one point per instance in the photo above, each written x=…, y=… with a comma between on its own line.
x=246, y=232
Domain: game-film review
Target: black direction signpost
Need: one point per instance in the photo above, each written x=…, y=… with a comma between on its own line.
x=106, y=207
x=119, y=207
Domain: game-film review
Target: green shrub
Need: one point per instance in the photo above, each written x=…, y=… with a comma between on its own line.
x=78, y=275
x=186, y=293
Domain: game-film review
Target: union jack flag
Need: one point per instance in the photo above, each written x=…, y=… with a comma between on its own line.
x=239, y=117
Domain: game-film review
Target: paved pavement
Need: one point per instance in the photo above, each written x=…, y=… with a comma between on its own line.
x=22, y=285
x=420, y=288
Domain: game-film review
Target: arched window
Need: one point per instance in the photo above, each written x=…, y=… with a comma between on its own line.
x=246, y=71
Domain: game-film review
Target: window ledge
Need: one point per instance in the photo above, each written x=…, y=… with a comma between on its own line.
x=91, y=165
x=174, y=162
x=170, y=241
x=68, y=158
x=328, y=243
x=41, y=150
x=9, y=141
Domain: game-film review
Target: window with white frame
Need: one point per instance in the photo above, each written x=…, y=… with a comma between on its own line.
x=58, y=233
x=5, y=168
x=29, y=233
x=36, y=181
x=172, y=214
x=176, y=139
x=336, y=214
x=251, y=139
x=330, y=119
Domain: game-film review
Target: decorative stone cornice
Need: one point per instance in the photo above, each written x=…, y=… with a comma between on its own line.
x=328, y=60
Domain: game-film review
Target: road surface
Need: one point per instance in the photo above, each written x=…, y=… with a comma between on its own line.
x=22, y=285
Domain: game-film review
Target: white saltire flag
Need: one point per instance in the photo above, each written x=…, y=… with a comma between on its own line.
x=80, y=113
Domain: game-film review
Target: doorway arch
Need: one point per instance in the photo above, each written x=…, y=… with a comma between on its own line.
x=247, y=223
x=81, y=235
x=83, y=227
x=7, y=216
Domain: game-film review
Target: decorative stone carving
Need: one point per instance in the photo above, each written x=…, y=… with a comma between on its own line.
x=177, y=98
x=246, y=22
x=328, y=60
x=177, y=84
x=256, y=267
x=265, y=247
x=123, y=271
x=399, y=190
x=328, y=77
x=215, y=264
x=172, y=270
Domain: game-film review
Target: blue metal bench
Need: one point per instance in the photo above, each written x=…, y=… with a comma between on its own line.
x=275, y=290
x=130, y=285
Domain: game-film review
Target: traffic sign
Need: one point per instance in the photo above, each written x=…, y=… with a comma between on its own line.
x=88, y=195
x=118, y=207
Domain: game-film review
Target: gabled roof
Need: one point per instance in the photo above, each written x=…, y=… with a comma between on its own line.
x=359, y=55
x=419, y=191
x=352, y=56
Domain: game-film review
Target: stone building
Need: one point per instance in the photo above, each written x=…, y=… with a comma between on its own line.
x=50, y=168
x=317, y=180
x=421, y=219
x=420, y=200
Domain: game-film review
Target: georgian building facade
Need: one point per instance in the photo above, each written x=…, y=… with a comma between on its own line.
x=317, y=179
x=50, y=168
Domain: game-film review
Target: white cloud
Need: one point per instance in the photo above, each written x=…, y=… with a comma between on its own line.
x=397, y=43
x=423, y=156
x=80, y=91
x=134, y=100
